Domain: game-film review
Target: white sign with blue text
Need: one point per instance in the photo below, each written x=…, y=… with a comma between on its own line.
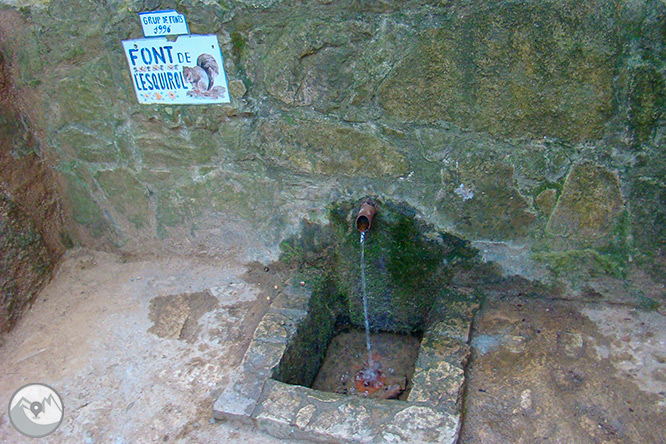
x=162, y=23
x=189, y=70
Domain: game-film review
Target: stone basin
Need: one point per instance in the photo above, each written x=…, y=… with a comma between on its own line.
x=431, y=413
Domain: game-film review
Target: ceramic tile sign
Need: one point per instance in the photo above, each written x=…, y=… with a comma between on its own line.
x=162, y=23
x=188, y=70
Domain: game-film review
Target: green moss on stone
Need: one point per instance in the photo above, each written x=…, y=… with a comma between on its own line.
x=586, y=263
x=589, y=206
x=647, y=101
x=313, y=336
x=411, y=260
x=408, y=265
x=647, y=203
x=238, y=45
x=511, y=69
x=648, y=208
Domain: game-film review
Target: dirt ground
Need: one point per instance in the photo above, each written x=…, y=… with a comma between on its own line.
x=139, y=349
x=550, y=371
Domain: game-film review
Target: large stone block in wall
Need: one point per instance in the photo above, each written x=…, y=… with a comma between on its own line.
x=482, y=198
x=86, y=93
x=589, y=206
x=511, y=69
x=323, y=147
x=309, y=63
x=332, y=56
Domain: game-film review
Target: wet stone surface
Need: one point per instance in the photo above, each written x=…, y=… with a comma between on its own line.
x=394, y=356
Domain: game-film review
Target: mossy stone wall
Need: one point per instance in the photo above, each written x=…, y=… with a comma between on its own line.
x=529, y=123
x=408, y=268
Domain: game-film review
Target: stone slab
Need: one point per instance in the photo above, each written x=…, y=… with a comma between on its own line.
x=439, y=384
x=294, y=297
x=439, y=373
x=454, y=319
x=289, y=411
x=239, y=399
x=275, y=327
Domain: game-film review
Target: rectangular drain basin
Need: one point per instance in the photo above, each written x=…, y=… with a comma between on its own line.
x=289, y=389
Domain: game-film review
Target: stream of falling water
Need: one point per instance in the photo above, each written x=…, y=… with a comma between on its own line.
x=365, y=302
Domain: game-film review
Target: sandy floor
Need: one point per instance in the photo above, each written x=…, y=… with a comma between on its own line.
x=138, y=350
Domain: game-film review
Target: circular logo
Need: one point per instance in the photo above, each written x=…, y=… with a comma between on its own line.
x=36, y=410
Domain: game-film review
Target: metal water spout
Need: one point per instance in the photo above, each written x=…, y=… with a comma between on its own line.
x=365, y=215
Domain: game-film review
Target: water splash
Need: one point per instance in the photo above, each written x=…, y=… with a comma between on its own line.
x=365, y=303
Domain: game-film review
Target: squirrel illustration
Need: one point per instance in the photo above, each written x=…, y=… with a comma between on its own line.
x=202, y=76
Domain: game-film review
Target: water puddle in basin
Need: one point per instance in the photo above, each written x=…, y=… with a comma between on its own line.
x=393, y=354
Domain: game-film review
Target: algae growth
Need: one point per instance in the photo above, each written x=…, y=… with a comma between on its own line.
x=409, y=264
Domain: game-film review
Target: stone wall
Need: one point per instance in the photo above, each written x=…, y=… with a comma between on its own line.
x=537, y=124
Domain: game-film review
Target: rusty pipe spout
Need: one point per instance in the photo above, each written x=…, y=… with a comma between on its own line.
x=365, y=214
